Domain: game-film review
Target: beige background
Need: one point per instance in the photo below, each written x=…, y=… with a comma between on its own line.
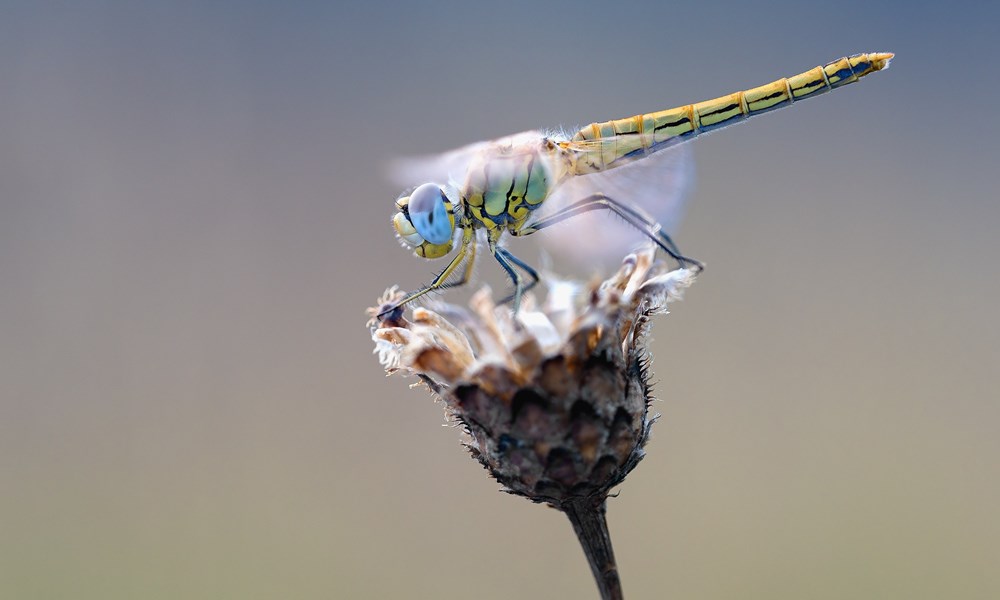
x=193, y=218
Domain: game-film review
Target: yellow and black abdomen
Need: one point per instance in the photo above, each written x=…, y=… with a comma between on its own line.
x=502, y=190
x=624, y=140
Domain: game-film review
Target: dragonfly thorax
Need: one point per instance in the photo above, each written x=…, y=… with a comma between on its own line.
x=503, y=188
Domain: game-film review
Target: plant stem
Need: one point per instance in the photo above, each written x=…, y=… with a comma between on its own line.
x=591, y=527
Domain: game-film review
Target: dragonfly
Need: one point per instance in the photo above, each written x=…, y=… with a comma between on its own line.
x=500, y=188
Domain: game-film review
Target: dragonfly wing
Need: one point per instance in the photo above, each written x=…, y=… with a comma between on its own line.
x=658, y=185
x=451, y=167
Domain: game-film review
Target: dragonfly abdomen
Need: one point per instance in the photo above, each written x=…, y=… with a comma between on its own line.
x=624, y=140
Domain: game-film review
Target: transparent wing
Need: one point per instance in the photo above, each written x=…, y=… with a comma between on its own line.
x=451, y=166
x=657, y=184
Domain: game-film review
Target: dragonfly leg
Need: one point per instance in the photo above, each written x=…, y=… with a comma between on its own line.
x=441, y=281
x=508, y=261
x=466, y=275
x=632, y=216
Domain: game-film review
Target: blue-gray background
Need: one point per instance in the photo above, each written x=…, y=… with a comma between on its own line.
x=193, y=218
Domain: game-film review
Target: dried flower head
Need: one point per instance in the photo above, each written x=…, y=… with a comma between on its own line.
x=555, y=402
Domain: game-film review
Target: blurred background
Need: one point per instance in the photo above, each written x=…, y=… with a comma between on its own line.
x=194, y=216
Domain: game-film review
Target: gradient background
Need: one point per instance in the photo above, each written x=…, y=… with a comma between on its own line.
x=193, y=218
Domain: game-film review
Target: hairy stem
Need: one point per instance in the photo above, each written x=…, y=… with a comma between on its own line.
x=591, y=527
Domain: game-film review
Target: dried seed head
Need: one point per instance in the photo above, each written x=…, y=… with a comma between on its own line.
x=555, y=402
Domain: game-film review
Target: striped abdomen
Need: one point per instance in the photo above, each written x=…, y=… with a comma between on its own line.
x=625, y=140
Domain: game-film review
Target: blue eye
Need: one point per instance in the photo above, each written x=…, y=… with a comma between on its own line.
x=429, y=214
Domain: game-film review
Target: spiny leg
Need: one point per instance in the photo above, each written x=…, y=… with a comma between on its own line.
x=633, y=217
x=467, y=274
x=642, y=217
x=508, y=261
x=441, y=281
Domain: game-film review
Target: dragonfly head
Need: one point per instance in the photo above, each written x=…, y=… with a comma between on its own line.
x=425, y=221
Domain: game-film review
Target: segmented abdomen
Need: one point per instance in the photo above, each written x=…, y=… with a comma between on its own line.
x=624, y=140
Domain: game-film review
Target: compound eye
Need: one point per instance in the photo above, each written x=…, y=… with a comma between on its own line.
x=428, y=209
